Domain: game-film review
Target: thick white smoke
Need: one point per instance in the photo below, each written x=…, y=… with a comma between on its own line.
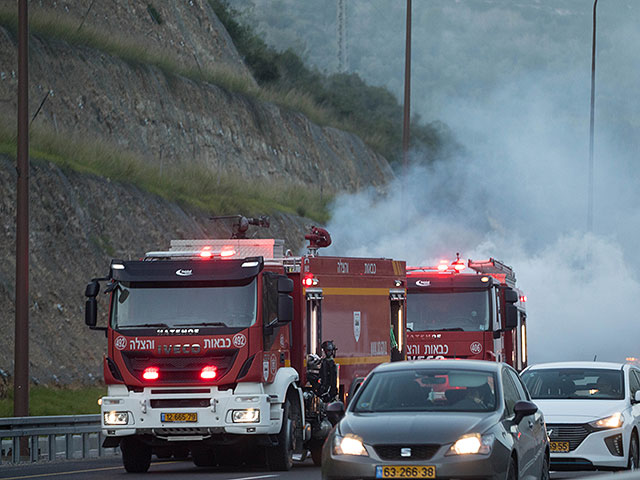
x=519, y=194
x=512, y=79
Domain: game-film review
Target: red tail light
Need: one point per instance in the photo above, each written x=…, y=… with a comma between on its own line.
x=209, y=373
x=307, y=281
x=206, y=252
x=227, y=252
x=151, y=373
x=523, y=298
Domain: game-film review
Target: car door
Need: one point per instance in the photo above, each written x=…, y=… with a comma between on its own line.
x=523, y=432
x=634, y=386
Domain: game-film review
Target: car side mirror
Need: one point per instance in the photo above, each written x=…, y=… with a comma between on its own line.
x=92, y=290
x=285, y=285
x=285, y=308
x=511, y=320
x=91, y=312
x=523, y=408
x=510, y=295
x=335, y=411
x=636, y=396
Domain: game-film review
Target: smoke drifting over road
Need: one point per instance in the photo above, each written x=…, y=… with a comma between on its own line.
x=512, y=80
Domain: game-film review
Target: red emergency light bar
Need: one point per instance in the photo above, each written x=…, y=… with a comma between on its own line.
x=523, y=298
x=226, y=252
x=151, y=373
x=209, y=372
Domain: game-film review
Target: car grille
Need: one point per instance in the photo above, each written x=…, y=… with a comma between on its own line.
x=179, y=369
x=572, y=433
x=418, y=452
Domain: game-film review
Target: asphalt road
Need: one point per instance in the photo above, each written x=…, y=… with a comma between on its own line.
x=109, y=468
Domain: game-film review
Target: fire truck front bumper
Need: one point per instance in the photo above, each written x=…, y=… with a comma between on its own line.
x=169, y=415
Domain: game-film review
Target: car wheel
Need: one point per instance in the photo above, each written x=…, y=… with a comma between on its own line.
x=512, y=472
x=136, y=455
x=545, y=475
x=633, y=453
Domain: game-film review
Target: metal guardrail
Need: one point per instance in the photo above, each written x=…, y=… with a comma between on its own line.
x=51, y=432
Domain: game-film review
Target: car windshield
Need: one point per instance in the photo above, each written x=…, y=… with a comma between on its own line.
x=139, y=305
x=428, y=390
x=463, y=310
x=574, y=383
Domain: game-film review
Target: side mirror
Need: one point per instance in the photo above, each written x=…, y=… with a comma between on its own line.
x=636, y=396
x=285, y=308
x=92, y=290
x=510, y=295
x=285, y=285
x=335, y=411
x=524, y=408
x=91, y=311
x=511, y=317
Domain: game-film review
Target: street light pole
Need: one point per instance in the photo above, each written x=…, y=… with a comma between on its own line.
x=407, y=92
x=21, y=344
x=591, y=124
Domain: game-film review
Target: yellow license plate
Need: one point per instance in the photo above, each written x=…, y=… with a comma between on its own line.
x=179, y=417
x=559, y=446
x=405, y=471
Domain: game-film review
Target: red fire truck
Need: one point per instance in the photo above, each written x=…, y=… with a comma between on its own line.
x=224, y=347
x=478, y=314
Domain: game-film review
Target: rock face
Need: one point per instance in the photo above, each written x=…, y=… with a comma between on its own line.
x=170, y=120
x=78, y=223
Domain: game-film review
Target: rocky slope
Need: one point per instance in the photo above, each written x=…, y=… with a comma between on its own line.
x=79, y=221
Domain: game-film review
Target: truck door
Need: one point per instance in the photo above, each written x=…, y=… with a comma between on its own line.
x=398, y=332
x=497, y=326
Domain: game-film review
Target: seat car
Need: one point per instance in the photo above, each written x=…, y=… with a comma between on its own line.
x=439, y=419
x=592, y=411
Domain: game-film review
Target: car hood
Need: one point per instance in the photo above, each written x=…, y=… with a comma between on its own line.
x=415, y=427
x=578, y=411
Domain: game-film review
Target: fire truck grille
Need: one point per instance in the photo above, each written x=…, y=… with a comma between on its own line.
x=417, y=452
x=179, y=369
x=572, y=433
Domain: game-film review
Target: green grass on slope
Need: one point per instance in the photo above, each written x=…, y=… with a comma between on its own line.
x=54, y=26
x=57, y=401
x=188, y=185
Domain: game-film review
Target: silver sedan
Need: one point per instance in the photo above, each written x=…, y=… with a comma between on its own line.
x=439, y=419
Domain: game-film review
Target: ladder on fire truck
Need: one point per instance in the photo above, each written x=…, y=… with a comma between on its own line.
x=494, y=267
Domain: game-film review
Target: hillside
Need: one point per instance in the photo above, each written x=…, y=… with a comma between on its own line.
x=151, y=97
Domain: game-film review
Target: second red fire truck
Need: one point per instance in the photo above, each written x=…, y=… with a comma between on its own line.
x=223, y=347
x=478, y=313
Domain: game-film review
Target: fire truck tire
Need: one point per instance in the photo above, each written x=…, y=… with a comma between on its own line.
x=316, y=452
x=136, y=455
x=280, y=457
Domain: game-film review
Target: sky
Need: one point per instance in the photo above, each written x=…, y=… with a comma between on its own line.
x=511, y=79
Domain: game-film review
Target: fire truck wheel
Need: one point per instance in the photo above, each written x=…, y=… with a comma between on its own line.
x=280, y=457
x=136, y=455
x=316, y=452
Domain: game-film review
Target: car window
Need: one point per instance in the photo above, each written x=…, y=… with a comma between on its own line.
x=425, y=390
x=634, y=382
x=511, y=395
x=575, y=383
x=522, y=392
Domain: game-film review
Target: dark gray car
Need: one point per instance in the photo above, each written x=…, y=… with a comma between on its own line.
x=439, y=419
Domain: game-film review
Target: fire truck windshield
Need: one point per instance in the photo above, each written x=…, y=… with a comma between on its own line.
x=438, y=310
x=138, y=305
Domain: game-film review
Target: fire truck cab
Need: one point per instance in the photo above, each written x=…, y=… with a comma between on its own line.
x=477, y=315
x=222, y=347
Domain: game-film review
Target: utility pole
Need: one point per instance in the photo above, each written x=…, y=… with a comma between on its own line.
x=591, y=123
x=343, y=60
x=407, y=93
x=21, y=353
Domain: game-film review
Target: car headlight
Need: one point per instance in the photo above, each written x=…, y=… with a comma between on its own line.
x=116, y=418
x=612, y=421
x=472, y=443
x=349, y=445
x=249, y=415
